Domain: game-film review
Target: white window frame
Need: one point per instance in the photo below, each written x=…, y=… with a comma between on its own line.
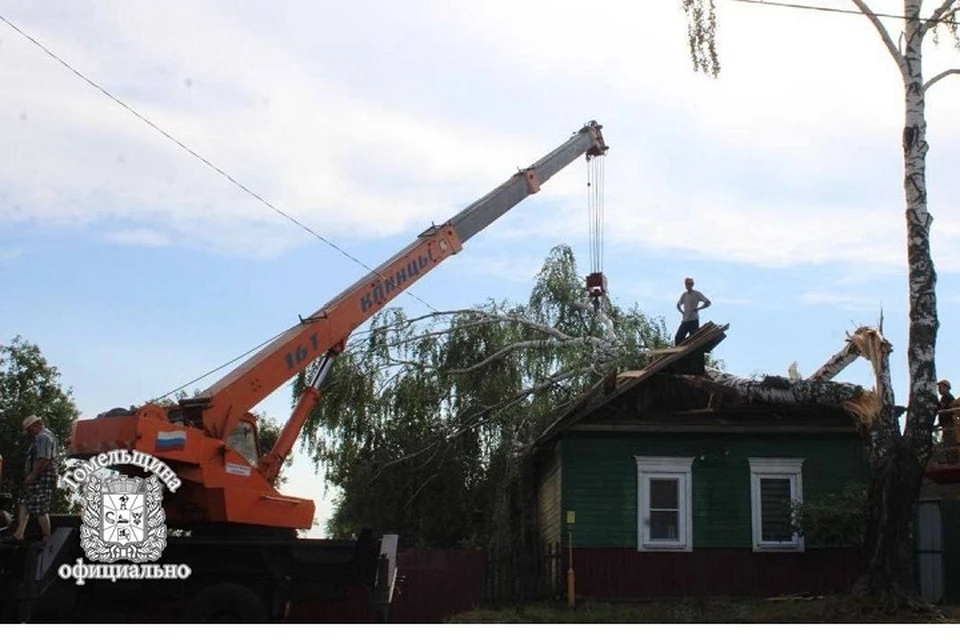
x=775, y=468
x=679, y=469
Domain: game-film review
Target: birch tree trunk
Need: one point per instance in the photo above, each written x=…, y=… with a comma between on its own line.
x=898, y=461
x=922, y=275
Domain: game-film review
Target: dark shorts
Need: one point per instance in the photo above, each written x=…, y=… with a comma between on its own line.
x=38, y=496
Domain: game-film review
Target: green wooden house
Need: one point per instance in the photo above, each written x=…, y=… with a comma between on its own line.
x=681, y=482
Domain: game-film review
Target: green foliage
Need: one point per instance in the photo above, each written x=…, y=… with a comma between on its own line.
x=836, y=519
x=950, y=20
x=29, y=384
x=422, y=418
x=702, y=35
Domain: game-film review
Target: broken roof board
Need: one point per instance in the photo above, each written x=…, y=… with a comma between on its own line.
x=703, y=341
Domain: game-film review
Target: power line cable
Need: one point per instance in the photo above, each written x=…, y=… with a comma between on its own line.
x=218, y=368
x=199, y=157
x=215, y=168
x=857, y=12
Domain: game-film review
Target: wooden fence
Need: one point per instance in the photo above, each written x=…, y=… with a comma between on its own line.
x=517, y=575
x=435, y=584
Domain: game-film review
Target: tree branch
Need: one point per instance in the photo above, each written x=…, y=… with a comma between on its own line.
x=940, y=76
x=885, y=36
x=931, y=22
x=528, y=344
x=837, y=363
x=440, y=439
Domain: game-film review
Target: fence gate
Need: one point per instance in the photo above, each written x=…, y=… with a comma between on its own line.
x=929, y=548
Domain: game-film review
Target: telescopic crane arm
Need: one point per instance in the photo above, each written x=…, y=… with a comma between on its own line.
x=454, y=232
x=209, y=441
x=325, y=331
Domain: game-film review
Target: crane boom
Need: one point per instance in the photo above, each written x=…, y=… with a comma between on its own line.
x=210, y=441
x=228, y=399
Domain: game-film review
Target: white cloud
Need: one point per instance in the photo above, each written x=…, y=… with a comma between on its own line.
x=519, y=269
x=10, y=254
x=139, y=237
x=366, y=123
x=742, y=302
x=846, y=301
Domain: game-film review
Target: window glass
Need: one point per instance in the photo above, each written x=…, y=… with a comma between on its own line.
x=243, y=440
x=663, y=493
x=775, y=510
x=664, y=525
x=663, y=509
x=776, y=486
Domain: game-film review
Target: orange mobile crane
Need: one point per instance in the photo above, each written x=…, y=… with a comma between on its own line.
x=210, y=440
x=227, y=495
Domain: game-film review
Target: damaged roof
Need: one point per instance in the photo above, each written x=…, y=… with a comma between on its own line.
x=691, y=397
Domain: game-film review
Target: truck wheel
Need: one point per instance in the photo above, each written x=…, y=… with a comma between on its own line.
x=226, y=602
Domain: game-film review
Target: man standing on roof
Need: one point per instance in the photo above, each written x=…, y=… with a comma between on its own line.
x=690, y=303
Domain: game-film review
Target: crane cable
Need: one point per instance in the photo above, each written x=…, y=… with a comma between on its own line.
x=596, y=284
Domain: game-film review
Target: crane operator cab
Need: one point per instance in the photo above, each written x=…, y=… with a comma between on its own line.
x=243, y=439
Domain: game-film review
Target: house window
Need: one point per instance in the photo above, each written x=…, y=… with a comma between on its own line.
x=664, y=520
x=776, y=484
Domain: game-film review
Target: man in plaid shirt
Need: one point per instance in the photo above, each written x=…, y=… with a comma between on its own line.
x=40, y=478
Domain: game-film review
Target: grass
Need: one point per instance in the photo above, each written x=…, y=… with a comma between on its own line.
x=835, y=609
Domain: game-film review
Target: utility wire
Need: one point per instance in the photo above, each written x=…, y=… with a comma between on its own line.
x=222, y=366
x=197, y=155
x=212, y=166
x=857, y=12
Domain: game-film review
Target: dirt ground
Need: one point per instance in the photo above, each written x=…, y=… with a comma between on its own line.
x=835, y=609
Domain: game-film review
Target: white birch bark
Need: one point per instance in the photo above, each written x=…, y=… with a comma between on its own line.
x=837, y=363
x=922, y=277
x=921, y=349
x=776, y=390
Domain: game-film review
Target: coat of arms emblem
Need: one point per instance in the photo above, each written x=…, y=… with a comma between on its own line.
x=123, y=519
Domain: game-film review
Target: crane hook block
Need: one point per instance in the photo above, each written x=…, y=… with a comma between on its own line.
x=596, y=285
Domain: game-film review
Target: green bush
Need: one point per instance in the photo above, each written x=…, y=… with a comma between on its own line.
x=833, y=520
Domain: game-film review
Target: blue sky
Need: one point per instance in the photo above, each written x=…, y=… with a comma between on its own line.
x=136, y=268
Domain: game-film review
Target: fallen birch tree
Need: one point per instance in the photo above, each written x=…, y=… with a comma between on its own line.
x=422, y=416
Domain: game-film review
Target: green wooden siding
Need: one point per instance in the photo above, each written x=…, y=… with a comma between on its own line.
x=548, y=492
x=599, y=479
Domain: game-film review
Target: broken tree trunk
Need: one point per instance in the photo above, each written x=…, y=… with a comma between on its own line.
x=837, y=363
x=896, y=474
x=891, y=507
x=777, y=390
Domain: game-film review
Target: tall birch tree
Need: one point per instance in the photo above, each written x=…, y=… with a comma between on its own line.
x=898, y=454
